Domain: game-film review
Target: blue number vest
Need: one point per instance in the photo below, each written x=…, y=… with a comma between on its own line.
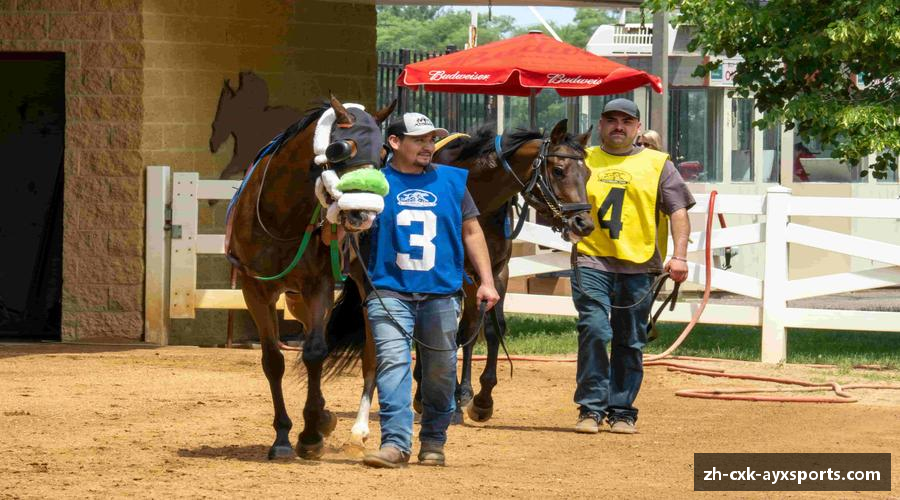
x=417, y=239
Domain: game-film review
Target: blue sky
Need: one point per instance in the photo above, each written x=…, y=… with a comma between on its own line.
x=523, y=15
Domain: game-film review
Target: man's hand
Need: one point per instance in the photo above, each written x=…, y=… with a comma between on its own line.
x=677, y=269
x=488, y=293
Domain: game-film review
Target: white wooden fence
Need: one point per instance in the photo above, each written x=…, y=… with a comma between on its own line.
x=173, y=244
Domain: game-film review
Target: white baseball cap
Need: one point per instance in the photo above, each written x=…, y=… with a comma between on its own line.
x=414, y=124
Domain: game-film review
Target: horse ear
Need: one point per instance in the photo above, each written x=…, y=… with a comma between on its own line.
x=585, y=137
x=559, y=131
x=227, y=90
x=340, y=112
x=382, y=114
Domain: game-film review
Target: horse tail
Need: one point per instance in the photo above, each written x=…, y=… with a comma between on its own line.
x=345, y=333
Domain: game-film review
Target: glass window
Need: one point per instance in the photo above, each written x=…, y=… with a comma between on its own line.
x=694, y=133
x=742, y=140
x=772, y=153
x=813, y=163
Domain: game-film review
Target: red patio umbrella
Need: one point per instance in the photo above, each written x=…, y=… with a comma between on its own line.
x=523, y=66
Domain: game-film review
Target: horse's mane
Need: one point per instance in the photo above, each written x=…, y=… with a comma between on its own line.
x=481, y=141
x=312, y=114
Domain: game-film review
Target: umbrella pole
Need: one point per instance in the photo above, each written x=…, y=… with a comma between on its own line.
x=532, y=110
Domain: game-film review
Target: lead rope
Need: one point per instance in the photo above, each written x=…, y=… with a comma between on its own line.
x=482, y=309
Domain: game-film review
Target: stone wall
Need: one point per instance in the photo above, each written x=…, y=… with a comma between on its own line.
x=103, y=226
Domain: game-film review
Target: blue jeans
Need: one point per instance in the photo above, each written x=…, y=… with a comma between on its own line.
x=434, y=322
x=608, y=385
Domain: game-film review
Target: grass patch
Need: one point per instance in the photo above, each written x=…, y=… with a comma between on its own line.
x=547, y=335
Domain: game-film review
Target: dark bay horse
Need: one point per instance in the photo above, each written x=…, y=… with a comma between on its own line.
x=551, y=175
x=267, y=219
x=553, y=172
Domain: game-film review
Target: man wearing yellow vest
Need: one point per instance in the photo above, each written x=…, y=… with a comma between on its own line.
x=633, y=190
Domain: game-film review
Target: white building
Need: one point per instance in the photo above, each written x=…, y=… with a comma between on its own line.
x=713, y=143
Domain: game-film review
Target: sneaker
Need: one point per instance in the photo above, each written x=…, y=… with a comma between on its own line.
x=431, y=454
x=588, y=422
x=388, y=457
x=622, y=425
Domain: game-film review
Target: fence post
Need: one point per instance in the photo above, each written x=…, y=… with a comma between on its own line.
x=403, y=92
x=774, y=338
x=156, y=276
x=183, y=275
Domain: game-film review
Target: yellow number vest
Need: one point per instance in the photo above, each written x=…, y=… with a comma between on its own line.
x=622, y=191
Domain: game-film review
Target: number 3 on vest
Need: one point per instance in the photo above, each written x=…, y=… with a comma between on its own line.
x=429, y=232
x=614, y=200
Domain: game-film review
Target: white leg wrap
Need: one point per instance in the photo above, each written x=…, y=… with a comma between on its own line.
x=361, y=201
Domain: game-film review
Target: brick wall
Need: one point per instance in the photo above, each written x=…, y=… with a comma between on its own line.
x=102, y=246
x=142, y=82
x=302, y=49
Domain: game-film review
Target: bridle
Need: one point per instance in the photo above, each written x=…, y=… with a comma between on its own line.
x=544, y=199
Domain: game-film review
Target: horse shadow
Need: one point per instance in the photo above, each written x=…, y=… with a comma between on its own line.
x=258, y=453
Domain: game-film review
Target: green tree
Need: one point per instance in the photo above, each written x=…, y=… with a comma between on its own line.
x=804, y=63
x=430, y=28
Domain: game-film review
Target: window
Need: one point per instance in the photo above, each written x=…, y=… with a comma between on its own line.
x=772, y=153
x=694, y=134
x=742, y=140
x=813, y=163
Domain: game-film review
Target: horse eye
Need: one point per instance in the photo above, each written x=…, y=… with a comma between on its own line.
x=559, y=171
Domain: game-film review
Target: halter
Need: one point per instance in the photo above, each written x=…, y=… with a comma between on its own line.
x=544, y=199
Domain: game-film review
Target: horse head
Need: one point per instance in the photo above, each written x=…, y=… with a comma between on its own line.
x=355, y=143
x=565, y=175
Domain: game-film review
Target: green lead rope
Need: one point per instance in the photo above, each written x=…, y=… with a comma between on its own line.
x=303, y=245
x=336, y=256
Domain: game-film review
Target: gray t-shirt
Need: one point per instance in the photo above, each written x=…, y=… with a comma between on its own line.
x=469, y=210
x=673, y=195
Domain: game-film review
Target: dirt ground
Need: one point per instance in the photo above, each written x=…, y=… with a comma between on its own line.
x=100, y=421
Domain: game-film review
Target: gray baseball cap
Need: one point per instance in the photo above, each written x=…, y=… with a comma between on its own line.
x=414, y=124
x=622, y=106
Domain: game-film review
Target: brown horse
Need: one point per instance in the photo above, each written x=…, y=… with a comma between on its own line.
x=267, y=219
x=245, y=113
x=552, y=171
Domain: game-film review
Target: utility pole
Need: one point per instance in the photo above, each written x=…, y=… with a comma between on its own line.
x=659, y=66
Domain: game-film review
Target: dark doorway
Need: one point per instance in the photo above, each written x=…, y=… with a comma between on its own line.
x=32, y=141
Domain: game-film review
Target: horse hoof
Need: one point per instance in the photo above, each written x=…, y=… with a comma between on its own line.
x=312, y=451
x=281, y=453
x=457, y=418
x=328, y=423
x=479, y=414
x=417, y=406
x=356, y=447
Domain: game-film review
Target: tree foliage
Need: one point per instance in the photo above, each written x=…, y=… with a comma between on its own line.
x=830, y=67
x=432, y=28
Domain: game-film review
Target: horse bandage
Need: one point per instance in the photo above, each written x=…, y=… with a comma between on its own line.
x=368, y=186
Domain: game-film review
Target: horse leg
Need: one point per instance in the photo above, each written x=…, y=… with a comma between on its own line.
x=310, y=444
x=360, y=431
x=464, y=387
x=417, y=376
x=482, y=407
x=261, y=306
x=299, y=309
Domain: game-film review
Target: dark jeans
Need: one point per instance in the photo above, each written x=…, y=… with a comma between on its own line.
x=609, y=384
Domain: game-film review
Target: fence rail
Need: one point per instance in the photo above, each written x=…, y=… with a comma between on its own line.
x=173, y=243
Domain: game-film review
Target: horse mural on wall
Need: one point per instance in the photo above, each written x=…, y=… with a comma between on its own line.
x=245, y=114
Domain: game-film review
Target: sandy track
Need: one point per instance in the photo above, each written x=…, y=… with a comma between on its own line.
x=186, y=422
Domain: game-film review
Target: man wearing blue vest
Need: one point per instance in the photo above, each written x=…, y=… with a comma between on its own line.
x=634, y=191
x=416, y=262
